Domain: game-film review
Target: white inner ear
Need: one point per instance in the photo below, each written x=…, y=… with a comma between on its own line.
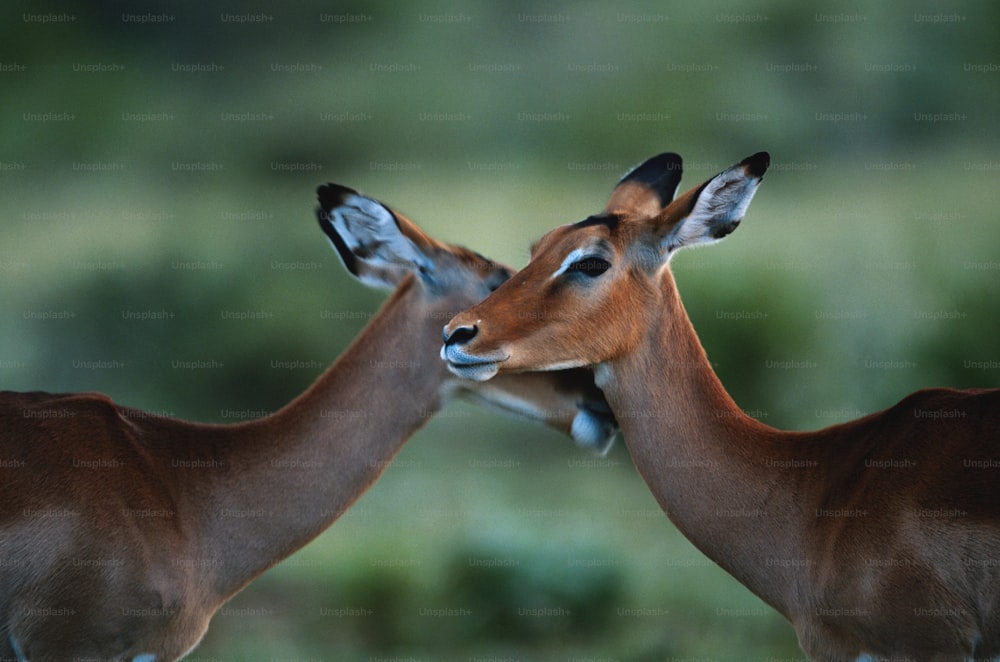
x=371, y=233
x=723, y=201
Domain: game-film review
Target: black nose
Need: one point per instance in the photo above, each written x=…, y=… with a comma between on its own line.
x=460, y=335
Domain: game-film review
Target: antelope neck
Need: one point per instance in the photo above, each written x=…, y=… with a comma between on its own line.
x=721, y=476
x=293, y=473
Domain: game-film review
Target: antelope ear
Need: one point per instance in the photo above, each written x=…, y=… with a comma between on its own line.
x=647, y=188
x=376, y=245
x=712, y=210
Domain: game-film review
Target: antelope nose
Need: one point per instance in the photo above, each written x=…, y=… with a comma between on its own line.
x=460, y=334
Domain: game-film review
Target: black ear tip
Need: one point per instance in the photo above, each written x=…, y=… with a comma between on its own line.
x=332, y=195
x=757, y=164
x=655, y=168
x=668, y=161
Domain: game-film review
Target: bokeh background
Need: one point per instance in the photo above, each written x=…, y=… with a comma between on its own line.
x=163, y=157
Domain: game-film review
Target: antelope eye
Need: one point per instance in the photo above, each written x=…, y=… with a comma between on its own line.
x=590, y=266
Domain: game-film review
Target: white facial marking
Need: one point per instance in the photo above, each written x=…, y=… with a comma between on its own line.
x=477, y=372
x=574, y=256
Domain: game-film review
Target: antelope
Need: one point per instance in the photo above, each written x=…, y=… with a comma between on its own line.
x=878, y=538
x=121, y=533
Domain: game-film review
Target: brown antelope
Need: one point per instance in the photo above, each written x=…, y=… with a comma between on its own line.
x=121, y=533
x=877, y=539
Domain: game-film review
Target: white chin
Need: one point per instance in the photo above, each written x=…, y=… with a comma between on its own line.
x=477, y=372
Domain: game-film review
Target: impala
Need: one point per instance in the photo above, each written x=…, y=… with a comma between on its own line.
x=877, y=539
x=121, y=533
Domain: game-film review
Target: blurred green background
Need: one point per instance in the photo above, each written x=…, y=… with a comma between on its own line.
x=164, y=156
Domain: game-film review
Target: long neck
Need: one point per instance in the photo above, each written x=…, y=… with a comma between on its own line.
x=720, y=476
x=286, y=477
